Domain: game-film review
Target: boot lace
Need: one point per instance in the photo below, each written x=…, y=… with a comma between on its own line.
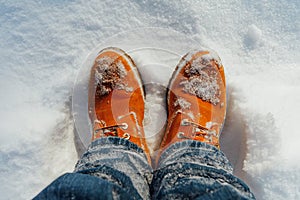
x=111, y=130
x=198, y=131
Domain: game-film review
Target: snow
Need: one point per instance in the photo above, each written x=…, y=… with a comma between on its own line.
x=108, y=75
x=44, y=43
x=253, y=36
x=201, y=79
x=182, y=103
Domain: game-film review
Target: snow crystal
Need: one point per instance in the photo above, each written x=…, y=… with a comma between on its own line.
x=191, y=115
x=201, y=78
x=203, y=60
x=183, y=103
x=129, y=89
x=212, y=56
x=108, y=74
x=210, y=124
x=202, y=82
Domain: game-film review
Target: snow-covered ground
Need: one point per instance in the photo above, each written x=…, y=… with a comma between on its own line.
x=44, y=43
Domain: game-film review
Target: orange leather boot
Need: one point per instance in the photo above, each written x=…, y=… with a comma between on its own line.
x=196, y=100
x=116, y=98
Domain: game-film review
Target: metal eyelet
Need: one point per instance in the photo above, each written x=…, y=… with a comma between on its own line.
x=126, y=136
x=124, y=126
x=180, y=135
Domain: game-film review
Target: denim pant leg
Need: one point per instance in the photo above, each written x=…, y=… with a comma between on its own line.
x=111, y=168
x=196, y=170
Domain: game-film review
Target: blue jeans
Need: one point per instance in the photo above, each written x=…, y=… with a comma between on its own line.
x=114, y=168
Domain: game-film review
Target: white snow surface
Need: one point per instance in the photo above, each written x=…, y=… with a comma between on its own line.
x=44, y=43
